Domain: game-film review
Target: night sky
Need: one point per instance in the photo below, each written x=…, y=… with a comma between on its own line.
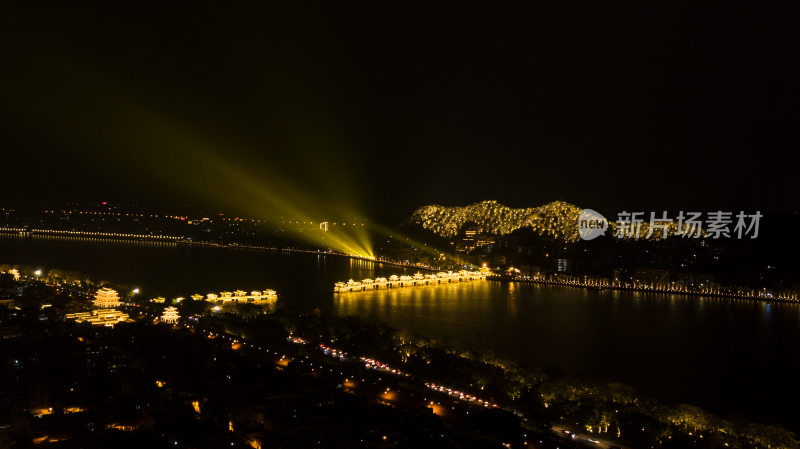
x=380, y=111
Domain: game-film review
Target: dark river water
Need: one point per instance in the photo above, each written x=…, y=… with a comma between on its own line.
x=733, y=357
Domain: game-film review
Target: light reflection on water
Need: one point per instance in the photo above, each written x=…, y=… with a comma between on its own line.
x=731, y=356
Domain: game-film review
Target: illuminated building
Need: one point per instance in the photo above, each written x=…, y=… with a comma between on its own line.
x=240, y=296
x=106, y=297
x=158, y=300
x=15, y=273
x=170, y=315
x=107, y=318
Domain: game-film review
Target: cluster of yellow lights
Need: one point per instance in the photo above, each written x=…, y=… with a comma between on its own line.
x=407, y=281
x=557, y=219
x=238, y=296
x=107, y=317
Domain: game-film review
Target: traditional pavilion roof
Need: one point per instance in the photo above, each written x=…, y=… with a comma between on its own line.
x=106, y=297
x=107, y=292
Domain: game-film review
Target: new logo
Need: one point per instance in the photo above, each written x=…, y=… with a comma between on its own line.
x=591, y=224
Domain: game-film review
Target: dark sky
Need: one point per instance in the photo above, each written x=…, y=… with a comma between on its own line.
x=607, y=106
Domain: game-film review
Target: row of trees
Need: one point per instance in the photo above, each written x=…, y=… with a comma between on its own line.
x=54, y=275
x=548, y=394
x=75, y=278
x=23, y=270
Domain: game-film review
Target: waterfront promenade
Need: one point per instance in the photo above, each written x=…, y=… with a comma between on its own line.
x=668, y=288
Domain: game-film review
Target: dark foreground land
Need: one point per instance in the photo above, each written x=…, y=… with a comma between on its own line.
x=153, y=385
x=230, y=378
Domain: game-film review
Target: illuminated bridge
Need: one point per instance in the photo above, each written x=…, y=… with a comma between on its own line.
x=239, y=296
x=418, y=279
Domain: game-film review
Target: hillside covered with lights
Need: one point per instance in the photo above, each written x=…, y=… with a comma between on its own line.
x=556, y=219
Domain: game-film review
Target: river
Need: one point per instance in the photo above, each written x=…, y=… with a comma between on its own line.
x=733, y=357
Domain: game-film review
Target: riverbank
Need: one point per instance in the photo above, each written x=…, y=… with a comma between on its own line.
x=637, y=338
x=461, y=377
x=609, y=410
x=628, y=288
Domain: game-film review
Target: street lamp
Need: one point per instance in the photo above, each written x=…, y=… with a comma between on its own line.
x=135, y=291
